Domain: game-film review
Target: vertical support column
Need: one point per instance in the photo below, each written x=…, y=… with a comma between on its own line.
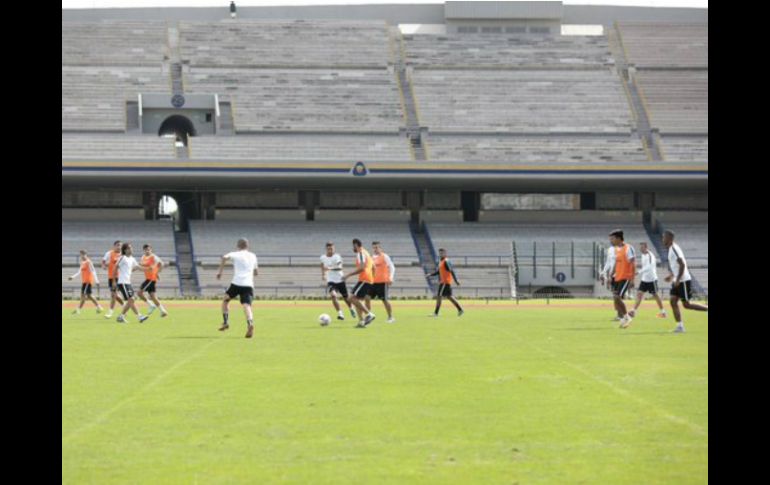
x=150, y=202
x=413, y=201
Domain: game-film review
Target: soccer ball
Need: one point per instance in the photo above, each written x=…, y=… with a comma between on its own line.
x=324, y=319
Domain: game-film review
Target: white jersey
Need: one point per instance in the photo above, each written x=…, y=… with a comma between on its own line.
x=125, y=266
x=673, y=252
x=334, y=264
x=244, y=263
x=648, y=274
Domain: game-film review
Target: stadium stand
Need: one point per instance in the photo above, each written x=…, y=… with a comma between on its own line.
x=97, y=237
x=282, y=43
x=94, y=98
x=114, y=43
x=109, y=145
x=665, y=45
x=681, y=148
x=300, y=147
x=535, y=149
x=676, y=101
x=303, y=242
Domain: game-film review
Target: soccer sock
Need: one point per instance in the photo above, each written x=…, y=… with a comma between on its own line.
x=250, y=322
x=226, y=316
x=152, y=309
x=162, y=308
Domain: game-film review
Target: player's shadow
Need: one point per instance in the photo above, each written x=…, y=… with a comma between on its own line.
x=659, y=332
x=207, y=337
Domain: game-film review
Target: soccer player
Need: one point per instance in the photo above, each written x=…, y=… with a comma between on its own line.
x=447, y=276
x=649, y=281
x=108, y=262
x=126, y=265
x=88, y=278
x=331, y=273
x=384, y=270
x=245, y=269
x=680, y=288
x=623, y=263
x=609, y=267
x=365, y=272
x=155, y=265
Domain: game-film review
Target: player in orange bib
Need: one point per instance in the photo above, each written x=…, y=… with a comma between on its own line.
x=88, y=277
x=383, y=278
x=109, y=262
x=447, y=277
x=365, y=272
x=621, y=265
x=154, y=265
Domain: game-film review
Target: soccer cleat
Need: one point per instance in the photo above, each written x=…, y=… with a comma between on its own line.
x=623, y=321
x=678, y=330
x=433, y=315
x=76, y=311
x=391, y=320
x=616, y=319
x=98, y=309
x=122, y=319
x=224, y=327
x=340, y=316
x=632, y=313
x=163, y=313
x=626, y=323
x=369, y=319
x=460, y=313
x=108, y=314
x=142, y=318
x=360, y=324
x=662, y=315
x=250, y=331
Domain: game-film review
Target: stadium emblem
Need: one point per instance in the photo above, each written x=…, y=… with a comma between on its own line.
x=560, y=277
x=359, y=169
x=177, y=101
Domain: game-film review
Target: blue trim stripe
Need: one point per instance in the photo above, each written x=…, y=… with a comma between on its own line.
x=384, y=171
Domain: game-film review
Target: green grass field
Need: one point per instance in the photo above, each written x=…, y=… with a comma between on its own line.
x=506, y=394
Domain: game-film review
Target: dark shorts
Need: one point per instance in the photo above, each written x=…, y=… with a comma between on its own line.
x=340, y=288
x=619, y=288
x=361, y=289
x=126, y=291
x=650, y=287
x=113, y=284
x=683, y=291
x=379, y=290
x=445, y=289
x=85, y=289
x=246, y=293
x=148, y=286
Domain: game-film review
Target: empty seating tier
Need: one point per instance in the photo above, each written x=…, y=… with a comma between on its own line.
x=97, y=237
x=497, y=51
x=659, y=44
x=536, y=149
x=98, y=146
x=304, y=99
x=114, y=43
x=94, y=98
x=685, y=149
x=301, y=147
x=303, y=242
x=285, y=43
x=676, y=101
x=522, y=101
